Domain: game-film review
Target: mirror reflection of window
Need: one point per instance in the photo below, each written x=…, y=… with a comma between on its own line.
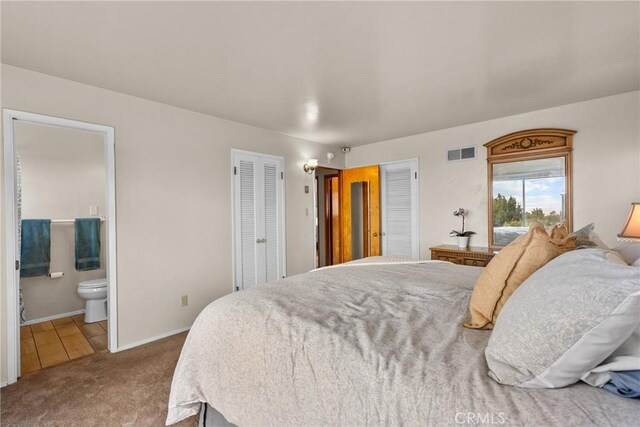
x=526, y=191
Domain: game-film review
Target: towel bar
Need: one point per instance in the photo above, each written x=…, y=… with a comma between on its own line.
x=71, y=221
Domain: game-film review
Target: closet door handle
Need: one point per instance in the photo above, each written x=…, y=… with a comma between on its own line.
x=261, y=241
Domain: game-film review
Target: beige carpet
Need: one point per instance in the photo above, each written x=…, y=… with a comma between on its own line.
x=130, y=388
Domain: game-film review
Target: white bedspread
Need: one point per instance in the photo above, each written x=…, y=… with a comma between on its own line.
x=355, y=345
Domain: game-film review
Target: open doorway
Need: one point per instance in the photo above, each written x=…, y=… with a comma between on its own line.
x=327, y=216
x=60, y=235
x=366, y=211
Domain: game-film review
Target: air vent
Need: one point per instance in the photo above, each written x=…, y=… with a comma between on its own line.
x=467, y=153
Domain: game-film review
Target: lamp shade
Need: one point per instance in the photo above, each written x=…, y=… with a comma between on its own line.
x=631, y=230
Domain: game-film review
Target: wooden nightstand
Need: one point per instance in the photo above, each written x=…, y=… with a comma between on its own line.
x=473, y=255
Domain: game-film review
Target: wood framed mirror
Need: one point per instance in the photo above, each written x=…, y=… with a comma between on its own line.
x=529, y=178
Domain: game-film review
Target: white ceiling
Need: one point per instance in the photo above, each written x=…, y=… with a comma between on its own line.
x=367, y=71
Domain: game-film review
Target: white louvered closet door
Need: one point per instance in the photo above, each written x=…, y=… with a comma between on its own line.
x=399, y=208
x=258, y=219
x=271, y=172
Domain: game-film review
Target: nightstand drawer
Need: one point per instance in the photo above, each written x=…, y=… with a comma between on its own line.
x=476, y=262
x=453, y=259
x=471, y=256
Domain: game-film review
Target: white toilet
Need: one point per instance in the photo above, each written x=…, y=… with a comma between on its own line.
x=95, y=293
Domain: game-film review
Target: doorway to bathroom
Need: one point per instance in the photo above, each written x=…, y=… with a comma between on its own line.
x=60, y=240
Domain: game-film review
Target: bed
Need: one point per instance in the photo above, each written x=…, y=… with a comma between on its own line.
x=376, y=342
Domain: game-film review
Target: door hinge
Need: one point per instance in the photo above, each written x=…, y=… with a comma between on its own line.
x=416, y=175
x=237, y=288
x=281, y=175
x=17, y=265
x=235, y=170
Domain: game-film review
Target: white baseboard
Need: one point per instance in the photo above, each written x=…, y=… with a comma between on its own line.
x=152, y=339
x=54, y=317
x=4, y=384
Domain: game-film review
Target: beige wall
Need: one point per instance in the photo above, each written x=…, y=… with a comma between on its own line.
x=173, y=191
x=63, y=173
x=606, y=166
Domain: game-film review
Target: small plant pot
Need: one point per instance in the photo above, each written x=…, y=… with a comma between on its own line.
x=463, y=242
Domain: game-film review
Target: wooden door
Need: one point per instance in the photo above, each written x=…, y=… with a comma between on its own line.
x=336, y=252
x=369, y=176
x=331, y=218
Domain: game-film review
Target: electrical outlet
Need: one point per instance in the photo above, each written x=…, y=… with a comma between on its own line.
x=184, y=300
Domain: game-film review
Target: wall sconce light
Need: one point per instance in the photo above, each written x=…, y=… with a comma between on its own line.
x=631, y=230
x=330, y=156
x=310, y=166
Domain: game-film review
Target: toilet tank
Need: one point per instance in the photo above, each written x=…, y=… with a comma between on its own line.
x=94, y=283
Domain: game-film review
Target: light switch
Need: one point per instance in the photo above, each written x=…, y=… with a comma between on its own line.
x=93, y=210
x=306, y=211
x=306, y=189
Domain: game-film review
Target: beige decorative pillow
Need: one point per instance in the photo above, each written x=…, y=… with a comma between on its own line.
x=509, y=268
x=559, y=231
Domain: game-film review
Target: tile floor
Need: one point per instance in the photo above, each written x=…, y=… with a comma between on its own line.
x=57, y=341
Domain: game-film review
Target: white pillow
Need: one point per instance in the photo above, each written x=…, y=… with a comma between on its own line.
x=615, y=257
x=625, y=358
x=630, y=251
x=564, y=320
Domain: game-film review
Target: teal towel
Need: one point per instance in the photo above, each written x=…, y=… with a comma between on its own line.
x=35, y=247
x=87, y=244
